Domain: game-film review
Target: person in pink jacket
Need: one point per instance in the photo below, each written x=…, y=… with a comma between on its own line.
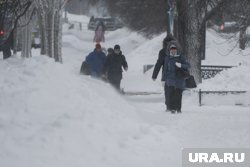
x=99, y=33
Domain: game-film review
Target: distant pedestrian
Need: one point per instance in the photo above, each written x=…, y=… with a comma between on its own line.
x=174, y=83
x=161, y=60
x=6, y=43
x=99, y=32
x=95, y=61
x=113, y=66
x=110, y=51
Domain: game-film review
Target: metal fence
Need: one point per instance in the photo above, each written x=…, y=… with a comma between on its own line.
x=202, y=93
x=207, y=71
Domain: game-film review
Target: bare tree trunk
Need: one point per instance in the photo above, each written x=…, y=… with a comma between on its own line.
x=50, y=34
x=43, y=37
x=51, y=27
x=189, y=35
x=15, y=42
x=26, y=43
x=203, y=41
x=58, y=36
x=243, y=38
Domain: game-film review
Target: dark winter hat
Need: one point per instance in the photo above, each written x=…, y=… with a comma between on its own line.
x=110, y=50
x=98, y=46
x=167, y=39
x=117, y=47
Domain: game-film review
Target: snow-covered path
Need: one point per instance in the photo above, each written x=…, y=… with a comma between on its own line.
x=207, y=126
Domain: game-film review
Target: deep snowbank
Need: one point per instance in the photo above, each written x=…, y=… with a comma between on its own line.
x=223, y=49
x=50, y=117
x=234, y=79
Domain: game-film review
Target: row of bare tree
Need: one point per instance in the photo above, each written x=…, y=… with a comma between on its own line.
x=49, y=16
x=10, y=12
x=49, y=13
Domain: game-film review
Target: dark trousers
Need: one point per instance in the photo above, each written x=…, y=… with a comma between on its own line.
x=115, y=81
x=6, y=48
x=6, y=52
x=173, y=97
x=166, y=96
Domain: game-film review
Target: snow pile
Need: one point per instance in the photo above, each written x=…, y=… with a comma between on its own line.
x=223, y=49
x=234, y=79
x=49, y=116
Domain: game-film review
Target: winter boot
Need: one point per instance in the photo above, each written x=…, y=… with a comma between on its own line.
x=173, y=111
x=167, y=109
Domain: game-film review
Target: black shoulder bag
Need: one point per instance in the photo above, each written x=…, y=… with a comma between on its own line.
x=185, y=74
x=190, y=82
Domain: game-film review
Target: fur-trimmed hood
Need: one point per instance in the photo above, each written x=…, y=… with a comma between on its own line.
x=176, y=44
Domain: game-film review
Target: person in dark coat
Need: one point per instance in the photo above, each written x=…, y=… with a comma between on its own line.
x=160, y=61
x=161, y=56
x=113, y=66
x=6, y=36
x=5, y=44
x=174, y=84
x=110, y=51
x=95, y=61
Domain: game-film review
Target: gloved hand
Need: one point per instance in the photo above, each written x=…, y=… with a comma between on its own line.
x=178, y=65
x=163, y=83
x=126, y=68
